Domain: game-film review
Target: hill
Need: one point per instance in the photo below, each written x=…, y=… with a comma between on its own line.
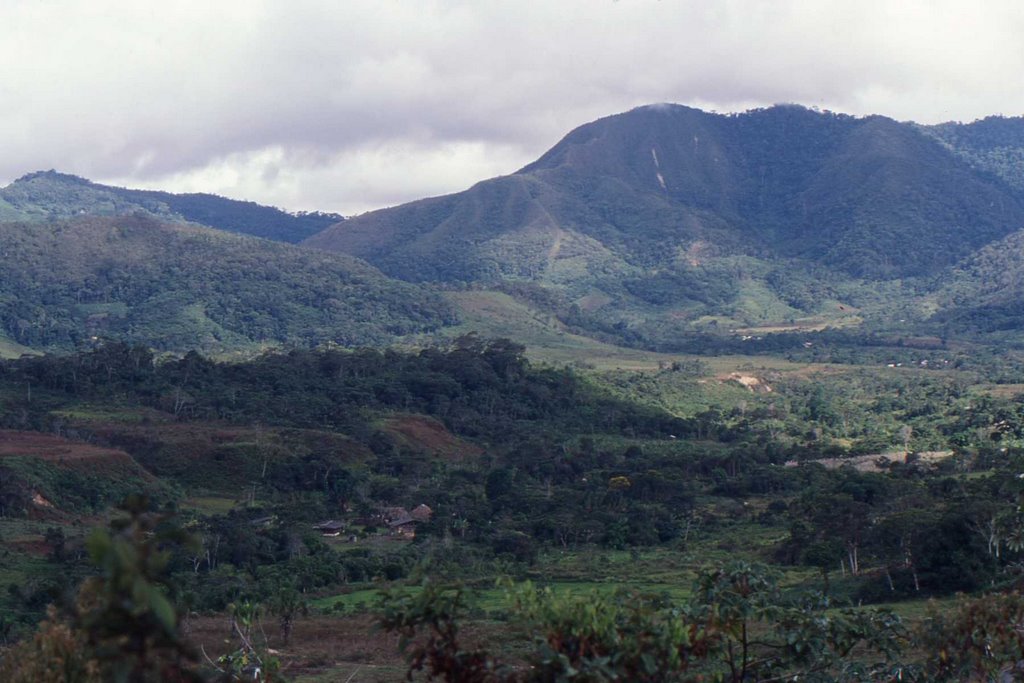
x=43, y=475
x=48, y=195
x=665, y=219
x=994, y=144
x=985, y=293
x=179, y=287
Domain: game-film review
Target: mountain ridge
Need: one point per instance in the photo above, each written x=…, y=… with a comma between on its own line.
x=176, y=287
x=50, y=195
x=676, y=218
x=736, y=188
x=637, y=228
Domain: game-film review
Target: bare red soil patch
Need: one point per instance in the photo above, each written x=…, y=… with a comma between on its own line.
x=418, y=431
x=35, y=547
x=54, y=448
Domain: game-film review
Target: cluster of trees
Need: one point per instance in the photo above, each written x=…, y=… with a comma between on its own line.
x=176, y=287
x=560, y=462
x=737, y=626
x=908, y=535
x=129, y=622
x=994, y=144
x=477, y=388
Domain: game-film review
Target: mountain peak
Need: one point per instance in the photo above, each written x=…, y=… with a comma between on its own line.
x=668, y=212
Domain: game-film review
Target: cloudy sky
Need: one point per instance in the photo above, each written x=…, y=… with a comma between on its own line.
x=353, y=105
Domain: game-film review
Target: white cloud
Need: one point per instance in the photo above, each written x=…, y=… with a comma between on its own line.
x=354, y=181
x=352, y=105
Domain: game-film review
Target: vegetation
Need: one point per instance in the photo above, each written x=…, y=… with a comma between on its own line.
x=815, y=476
x=630, y=637
x=50, y=196
x=994, y=144
x=175, y=287
x=668, y=223
x=652, y=482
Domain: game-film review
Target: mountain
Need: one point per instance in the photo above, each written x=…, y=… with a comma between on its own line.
x=672, y=214
x=48, y=195
x=178, y=287
x=994, y=144
x=985, y=292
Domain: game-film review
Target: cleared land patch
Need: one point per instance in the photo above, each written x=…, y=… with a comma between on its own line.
x=55, y=449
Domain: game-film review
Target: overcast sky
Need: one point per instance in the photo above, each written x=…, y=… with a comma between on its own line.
x=350, y=106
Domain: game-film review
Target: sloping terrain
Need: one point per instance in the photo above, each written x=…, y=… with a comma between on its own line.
x=48, y=195
x=422, y=433
x=667, y=218
x=986, y=291
x=43, y=475
x=994, y=144
x=180, y=287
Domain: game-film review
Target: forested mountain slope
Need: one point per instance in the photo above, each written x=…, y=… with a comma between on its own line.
x=48, y=195
x=180, y=287
x=665, y=219
x=986, y=291
x=994, y=144
x=656, y=185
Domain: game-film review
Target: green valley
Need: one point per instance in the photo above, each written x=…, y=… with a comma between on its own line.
x=692, y=397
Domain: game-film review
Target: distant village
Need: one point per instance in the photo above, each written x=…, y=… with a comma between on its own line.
x=396, y=522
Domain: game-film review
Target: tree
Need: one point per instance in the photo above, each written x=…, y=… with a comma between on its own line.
x=737, y=627
x=287, y=603
x=434, y=612
x=123, y=626
x=980, y=639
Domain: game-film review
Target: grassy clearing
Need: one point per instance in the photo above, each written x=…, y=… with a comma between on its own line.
x=916, y=611
x=11, y=349
x=210, y=504
x=497, y=600
x=587, y=570
x=496, y=314
x=134, y=414
x=1001, y=390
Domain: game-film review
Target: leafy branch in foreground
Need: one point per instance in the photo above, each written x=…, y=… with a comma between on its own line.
x=123, y=626
x=737, y=627
x=980, y=639
x=426, y=623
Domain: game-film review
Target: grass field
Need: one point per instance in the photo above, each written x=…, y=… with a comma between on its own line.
x=495, y=314
x=210, y=504
x=10, y=349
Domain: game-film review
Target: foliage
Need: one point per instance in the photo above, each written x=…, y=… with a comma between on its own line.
x=65, y=285
x=123, y=626
x=56, y=653
x=994, y=144
x=251, y=661
x=737, y=627
x=435, y=611
x=48, y=195
x=761, y=635
x=622, y=637
x=982, y=638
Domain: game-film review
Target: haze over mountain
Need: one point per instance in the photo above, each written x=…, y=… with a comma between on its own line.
x=49, y=195
x=673, y=213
